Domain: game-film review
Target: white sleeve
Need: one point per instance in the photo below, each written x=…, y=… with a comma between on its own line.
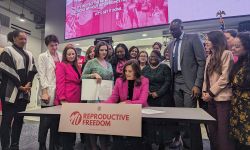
x=42, y=71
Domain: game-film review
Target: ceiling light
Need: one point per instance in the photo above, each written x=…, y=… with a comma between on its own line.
x=144, y=35
x=146, y=39
x=77, y=44
x=22, y=17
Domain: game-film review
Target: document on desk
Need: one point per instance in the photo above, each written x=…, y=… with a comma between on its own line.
x=93, y=91
x=151, y=111
x=105, y=89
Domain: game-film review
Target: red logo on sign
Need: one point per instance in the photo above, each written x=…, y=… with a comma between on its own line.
x=75, y=118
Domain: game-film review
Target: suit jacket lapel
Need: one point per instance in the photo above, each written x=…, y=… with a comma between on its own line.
x=124, y=90
x=74, y=73
x=51, y=61
x=183, y=45
x=171, y=52
x=135, y=92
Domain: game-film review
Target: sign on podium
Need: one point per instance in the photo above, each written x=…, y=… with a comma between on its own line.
x=98, y=118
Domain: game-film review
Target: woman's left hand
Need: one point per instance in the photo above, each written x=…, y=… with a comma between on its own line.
x=98, y=78
x=154, y=94
x=206, y=97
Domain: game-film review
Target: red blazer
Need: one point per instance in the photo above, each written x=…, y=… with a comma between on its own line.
x=68, y=84
x=120, y=92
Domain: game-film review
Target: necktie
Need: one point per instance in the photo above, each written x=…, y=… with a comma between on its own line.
x=175, y=56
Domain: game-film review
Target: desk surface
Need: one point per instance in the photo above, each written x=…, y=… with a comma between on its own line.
x=170, y=113
x=181, y=114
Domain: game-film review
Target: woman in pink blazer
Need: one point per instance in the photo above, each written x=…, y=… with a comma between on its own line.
x=130, y=88
x=68, y=81
x=68, y=87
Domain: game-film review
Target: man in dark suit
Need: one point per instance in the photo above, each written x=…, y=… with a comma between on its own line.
x=187, y=60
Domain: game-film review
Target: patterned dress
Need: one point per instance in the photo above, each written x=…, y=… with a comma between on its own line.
x=240, y=113
x=160, y=82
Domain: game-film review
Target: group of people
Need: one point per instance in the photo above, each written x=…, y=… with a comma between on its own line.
x=216, y=72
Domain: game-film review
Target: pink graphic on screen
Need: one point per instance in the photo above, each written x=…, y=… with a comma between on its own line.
x=90, y=17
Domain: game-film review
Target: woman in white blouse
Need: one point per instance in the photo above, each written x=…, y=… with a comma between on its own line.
x=46, y=68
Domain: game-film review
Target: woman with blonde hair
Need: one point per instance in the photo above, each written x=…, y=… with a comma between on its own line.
x=90, y=54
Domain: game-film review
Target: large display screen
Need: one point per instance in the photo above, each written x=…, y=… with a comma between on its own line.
x=91, y=17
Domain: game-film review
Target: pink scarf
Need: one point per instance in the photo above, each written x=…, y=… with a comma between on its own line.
x=119, y=66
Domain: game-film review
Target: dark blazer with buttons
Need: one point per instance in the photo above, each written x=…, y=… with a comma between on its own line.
x=192, y=58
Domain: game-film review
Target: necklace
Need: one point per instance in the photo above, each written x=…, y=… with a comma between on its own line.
x=154, y=67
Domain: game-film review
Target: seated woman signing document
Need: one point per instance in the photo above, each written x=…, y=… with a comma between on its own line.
x=131, y=87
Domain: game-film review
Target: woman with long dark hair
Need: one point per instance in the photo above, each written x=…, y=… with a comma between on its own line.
x=119, y=60
x=130, y=79
x=130, y=88
x=240, y=81
x=216, y=89
x=68, y=87
x=17, y=71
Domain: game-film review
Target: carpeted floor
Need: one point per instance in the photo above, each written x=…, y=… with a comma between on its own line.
x=29, y=137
